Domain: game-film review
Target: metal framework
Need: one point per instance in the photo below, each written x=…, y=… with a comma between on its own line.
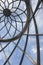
x=9, y=13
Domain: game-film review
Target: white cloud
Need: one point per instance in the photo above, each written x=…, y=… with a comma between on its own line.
x=6, y=0
x=34, y=50
x=0, y=48
x=1, y=56
x=41, y=49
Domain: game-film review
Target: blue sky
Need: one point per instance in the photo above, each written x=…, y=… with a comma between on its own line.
x=31, y=47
